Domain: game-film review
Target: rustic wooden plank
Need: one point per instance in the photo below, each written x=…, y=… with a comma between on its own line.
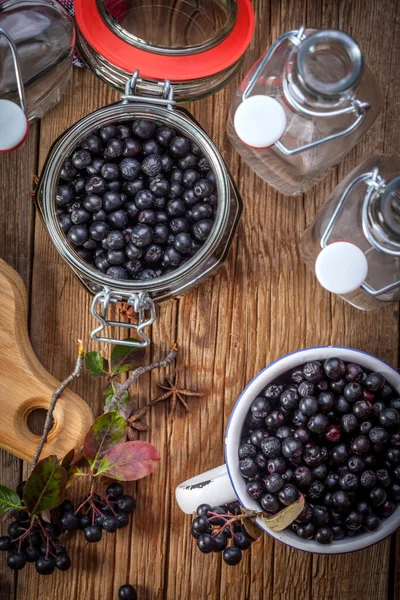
x=17, y=223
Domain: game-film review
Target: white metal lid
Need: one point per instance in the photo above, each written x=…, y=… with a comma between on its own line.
x=341, y=267
x=13, y=125
x=260, y=121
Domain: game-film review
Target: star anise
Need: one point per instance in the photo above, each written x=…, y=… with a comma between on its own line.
x=128, y=311
x=172, y=391
x=135, y=422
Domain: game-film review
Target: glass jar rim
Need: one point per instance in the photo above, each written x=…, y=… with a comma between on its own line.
x=319, y=39
x=115, y=23
x=156, y=66
x=110, y=114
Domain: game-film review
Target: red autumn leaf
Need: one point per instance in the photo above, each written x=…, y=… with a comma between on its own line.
x=129, y=461
x=107, y=431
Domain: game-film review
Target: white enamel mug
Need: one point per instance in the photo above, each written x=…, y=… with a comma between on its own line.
x=225, y=483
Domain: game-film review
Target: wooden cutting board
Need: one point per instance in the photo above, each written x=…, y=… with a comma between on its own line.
x=25, y=385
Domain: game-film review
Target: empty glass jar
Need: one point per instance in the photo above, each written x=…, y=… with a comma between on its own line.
x=353, y=244
x=44, y=36
x=141, y=295
x=197, y=44
x=302, y=107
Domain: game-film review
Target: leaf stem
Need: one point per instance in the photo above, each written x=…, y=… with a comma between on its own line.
x=49, y=418
x=88, y=499
x=138, y=373
x=249, y=514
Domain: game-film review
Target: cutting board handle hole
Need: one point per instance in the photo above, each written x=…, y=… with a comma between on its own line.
x=35, y=421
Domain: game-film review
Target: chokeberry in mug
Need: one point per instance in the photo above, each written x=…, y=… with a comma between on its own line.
x=321, y=424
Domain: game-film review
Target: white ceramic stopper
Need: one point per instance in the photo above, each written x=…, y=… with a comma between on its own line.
x=13, y=125
x=260, y=121
x=341, y=267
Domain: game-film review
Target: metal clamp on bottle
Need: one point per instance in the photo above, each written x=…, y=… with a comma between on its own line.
x=263, y=108
x=141, y=303
x=166, y=91
x=14, y=125
x=375, y=185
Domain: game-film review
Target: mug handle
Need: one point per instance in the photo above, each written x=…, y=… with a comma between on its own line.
x=212, y=487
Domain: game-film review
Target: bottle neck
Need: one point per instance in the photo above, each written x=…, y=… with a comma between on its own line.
x=381, y=220
x=323, y=71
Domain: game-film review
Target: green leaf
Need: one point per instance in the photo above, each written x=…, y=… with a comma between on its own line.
x=45, y=487
x=129, y=461
x=106, y=432
x=124, y=358
x=123, y=406
x=95, y=364
x=9, y=501
x=68, y=458
x=285, y=517
x=74, y=473
x=252, y=528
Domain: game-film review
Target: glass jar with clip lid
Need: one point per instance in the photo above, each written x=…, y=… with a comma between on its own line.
x=353, y=244
x=37, y=39
x=198, y=45
x=302, y=107
x=141, y=295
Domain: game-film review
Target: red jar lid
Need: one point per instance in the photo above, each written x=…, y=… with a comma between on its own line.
x=159, y=66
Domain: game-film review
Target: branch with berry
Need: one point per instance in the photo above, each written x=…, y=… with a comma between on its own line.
x=35, y=533
x=231, y=528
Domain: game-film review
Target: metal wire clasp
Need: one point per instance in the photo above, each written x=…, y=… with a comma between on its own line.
x=355, y=106
x=17, y=67
x=375, y=184
x=166, y=90
x=142, y=304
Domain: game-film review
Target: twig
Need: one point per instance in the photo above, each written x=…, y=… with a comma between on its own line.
x=47, y=425
x=138, y=373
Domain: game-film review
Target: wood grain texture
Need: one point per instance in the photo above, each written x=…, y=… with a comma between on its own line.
x=261, y=304
x=32, y=386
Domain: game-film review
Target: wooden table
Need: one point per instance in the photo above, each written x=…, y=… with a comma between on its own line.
x=261, y=304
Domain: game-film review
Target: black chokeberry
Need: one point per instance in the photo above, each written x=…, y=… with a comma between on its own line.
x=69, y=521
x=126, y=504
x=319, y=423
x=313, y=372
x=127, y=592
x=16, y=560
x=232, y=555
x=242, y=540
x=45, y=565
x=63, y=562
x=334, y=368
x=93, y=533
x=288, y=494
x=374, y=382
x=110, y=524
x=270, y=503
x=271, y=447
x=291, y=448
x=324, y=535
x=205, y=543
x=389, y=418
x=202, y=229
x=308, y=405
